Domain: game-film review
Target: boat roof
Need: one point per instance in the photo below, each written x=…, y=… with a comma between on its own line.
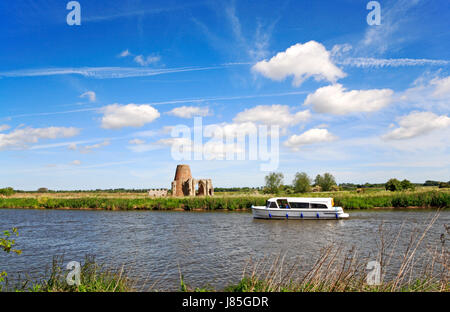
x=303, y=199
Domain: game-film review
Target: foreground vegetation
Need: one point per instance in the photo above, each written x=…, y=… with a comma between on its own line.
x=426, y=198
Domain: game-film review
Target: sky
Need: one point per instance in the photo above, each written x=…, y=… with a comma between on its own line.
x=96, y=105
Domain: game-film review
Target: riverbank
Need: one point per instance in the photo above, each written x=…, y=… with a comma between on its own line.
x=347, y=200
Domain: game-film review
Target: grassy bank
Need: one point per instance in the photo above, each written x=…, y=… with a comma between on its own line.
x=348, y=200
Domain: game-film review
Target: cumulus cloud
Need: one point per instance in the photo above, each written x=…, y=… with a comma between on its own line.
x=301, y=61
x=272, y=115
x=334, y=99
x=312, y=136
x=189, y=111
x=4, y=127
x=76, y=163
x=428, y=92
x=417, y=124
x=144, y=61
x=210, y=150
x=90, y=95
x=20, y=138
x=117, y=116
x=442, y=87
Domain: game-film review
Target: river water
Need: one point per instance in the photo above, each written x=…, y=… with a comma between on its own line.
x=207, y=247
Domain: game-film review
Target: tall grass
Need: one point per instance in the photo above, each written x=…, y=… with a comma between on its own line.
x=348, y=200
x=93, y=277
x=345, y=270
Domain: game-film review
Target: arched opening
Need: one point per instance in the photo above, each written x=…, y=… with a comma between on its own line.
x=201, y=188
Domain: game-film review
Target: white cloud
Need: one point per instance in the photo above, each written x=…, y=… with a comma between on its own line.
x=189, y=111
x=417, y=124
x=272, y=115
x=89, y=148
x=144, y=61
x=20, y=138
x=210, y=150
x=117, y=116
x=90, y=95
x=312, y=136
x=72, y=147
x=4, y=127
x=370, y=62
x=301, y=61
x=334, y=99
x=429, y=91
x=124, y=53
x=76, y=163
x=104, y=72
x=136, y=141
x=442, y=88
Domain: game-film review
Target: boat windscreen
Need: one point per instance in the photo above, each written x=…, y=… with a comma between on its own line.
x=283, y=203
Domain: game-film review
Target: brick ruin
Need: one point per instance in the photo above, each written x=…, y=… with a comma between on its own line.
x=185, y=185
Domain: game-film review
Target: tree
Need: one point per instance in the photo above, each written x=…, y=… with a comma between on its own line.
x=407, y=185
x=393, y=185
x=274, y=181
x=326, y=182
x=42, y=190
x=301, y=183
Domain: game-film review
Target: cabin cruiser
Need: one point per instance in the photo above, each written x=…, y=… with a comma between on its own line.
x=299, y=208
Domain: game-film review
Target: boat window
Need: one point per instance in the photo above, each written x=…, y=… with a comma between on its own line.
x=273, y=205
x=299, y=205
x=283, y=203
x=319, y=206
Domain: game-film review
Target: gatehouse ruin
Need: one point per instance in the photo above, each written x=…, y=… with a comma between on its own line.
x=185, y=185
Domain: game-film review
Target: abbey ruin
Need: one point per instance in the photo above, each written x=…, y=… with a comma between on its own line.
x=185, y=185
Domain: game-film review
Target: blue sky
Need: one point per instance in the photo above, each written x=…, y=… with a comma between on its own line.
x=92, y=106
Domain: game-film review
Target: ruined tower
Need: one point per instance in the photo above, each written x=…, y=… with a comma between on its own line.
x=184, y=184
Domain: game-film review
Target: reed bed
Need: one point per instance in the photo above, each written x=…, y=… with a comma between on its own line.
x=340, y=269
x=348, y=200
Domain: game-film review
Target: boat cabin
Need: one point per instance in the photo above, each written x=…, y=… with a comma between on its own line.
x=300, y=203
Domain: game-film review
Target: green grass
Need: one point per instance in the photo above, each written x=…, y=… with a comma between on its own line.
x=346, y=199
x=93, y=278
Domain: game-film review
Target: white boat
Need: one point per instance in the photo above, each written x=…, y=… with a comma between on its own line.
x=299, y=208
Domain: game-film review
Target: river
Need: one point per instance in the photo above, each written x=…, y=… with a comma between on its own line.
x=207, y=247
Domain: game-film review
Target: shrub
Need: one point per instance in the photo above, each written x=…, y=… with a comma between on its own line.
x=393, y=185
x=7, y=191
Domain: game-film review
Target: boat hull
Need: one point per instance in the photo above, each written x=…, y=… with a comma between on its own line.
x=260, y=212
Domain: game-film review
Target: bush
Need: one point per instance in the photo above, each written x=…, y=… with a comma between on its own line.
x=8, y=191
x=393, y=185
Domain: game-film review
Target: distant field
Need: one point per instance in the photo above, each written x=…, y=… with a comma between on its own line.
x=425, y=197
